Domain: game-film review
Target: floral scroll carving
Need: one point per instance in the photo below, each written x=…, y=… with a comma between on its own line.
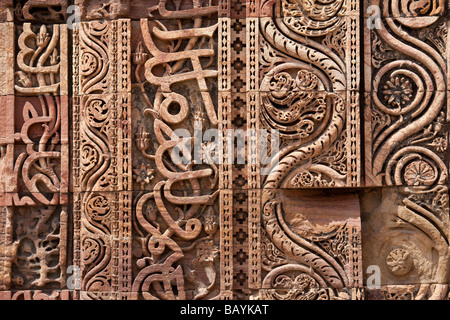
x=406, y=146
x=301, y=108
x=39, y=132
x=102, y=168
x=307, y=95
x=408, y=138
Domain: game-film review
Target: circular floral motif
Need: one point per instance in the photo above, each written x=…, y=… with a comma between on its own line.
x=295, y=102
x=399, y=262
x=207, y=251
x=398, y=91
x=143, y=174
x=419, y=173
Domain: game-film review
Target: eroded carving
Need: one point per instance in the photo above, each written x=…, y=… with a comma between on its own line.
x=412, y=241
x=42, y=11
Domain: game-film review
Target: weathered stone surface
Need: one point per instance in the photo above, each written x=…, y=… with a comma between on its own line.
x=7, y=58
x=34, y=162
x=41, y=11
x=405, y=227
x=407, y=292
x=405, y=235
x=6, y=11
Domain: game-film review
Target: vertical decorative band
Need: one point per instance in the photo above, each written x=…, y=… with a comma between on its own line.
x=226, y=243
x=353, y=114
x=225, y=167
x=9, y=248
x=224, y=8
x=102, y=157
x=224, y=59
x=125, y=202
x=253, y=165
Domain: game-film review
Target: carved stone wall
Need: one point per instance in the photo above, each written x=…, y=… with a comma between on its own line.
x=224, y=149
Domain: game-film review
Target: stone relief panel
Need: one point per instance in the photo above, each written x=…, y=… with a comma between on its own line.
x=406, y=112
x=41, y=253
x=41, y=11
x=176, y=239
x=101, y=158
x=34, y=200
x=308, y=84
x=136, y=9
x=316, y=253
x=405, y=225
x=407, y=238
x=35, y=128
